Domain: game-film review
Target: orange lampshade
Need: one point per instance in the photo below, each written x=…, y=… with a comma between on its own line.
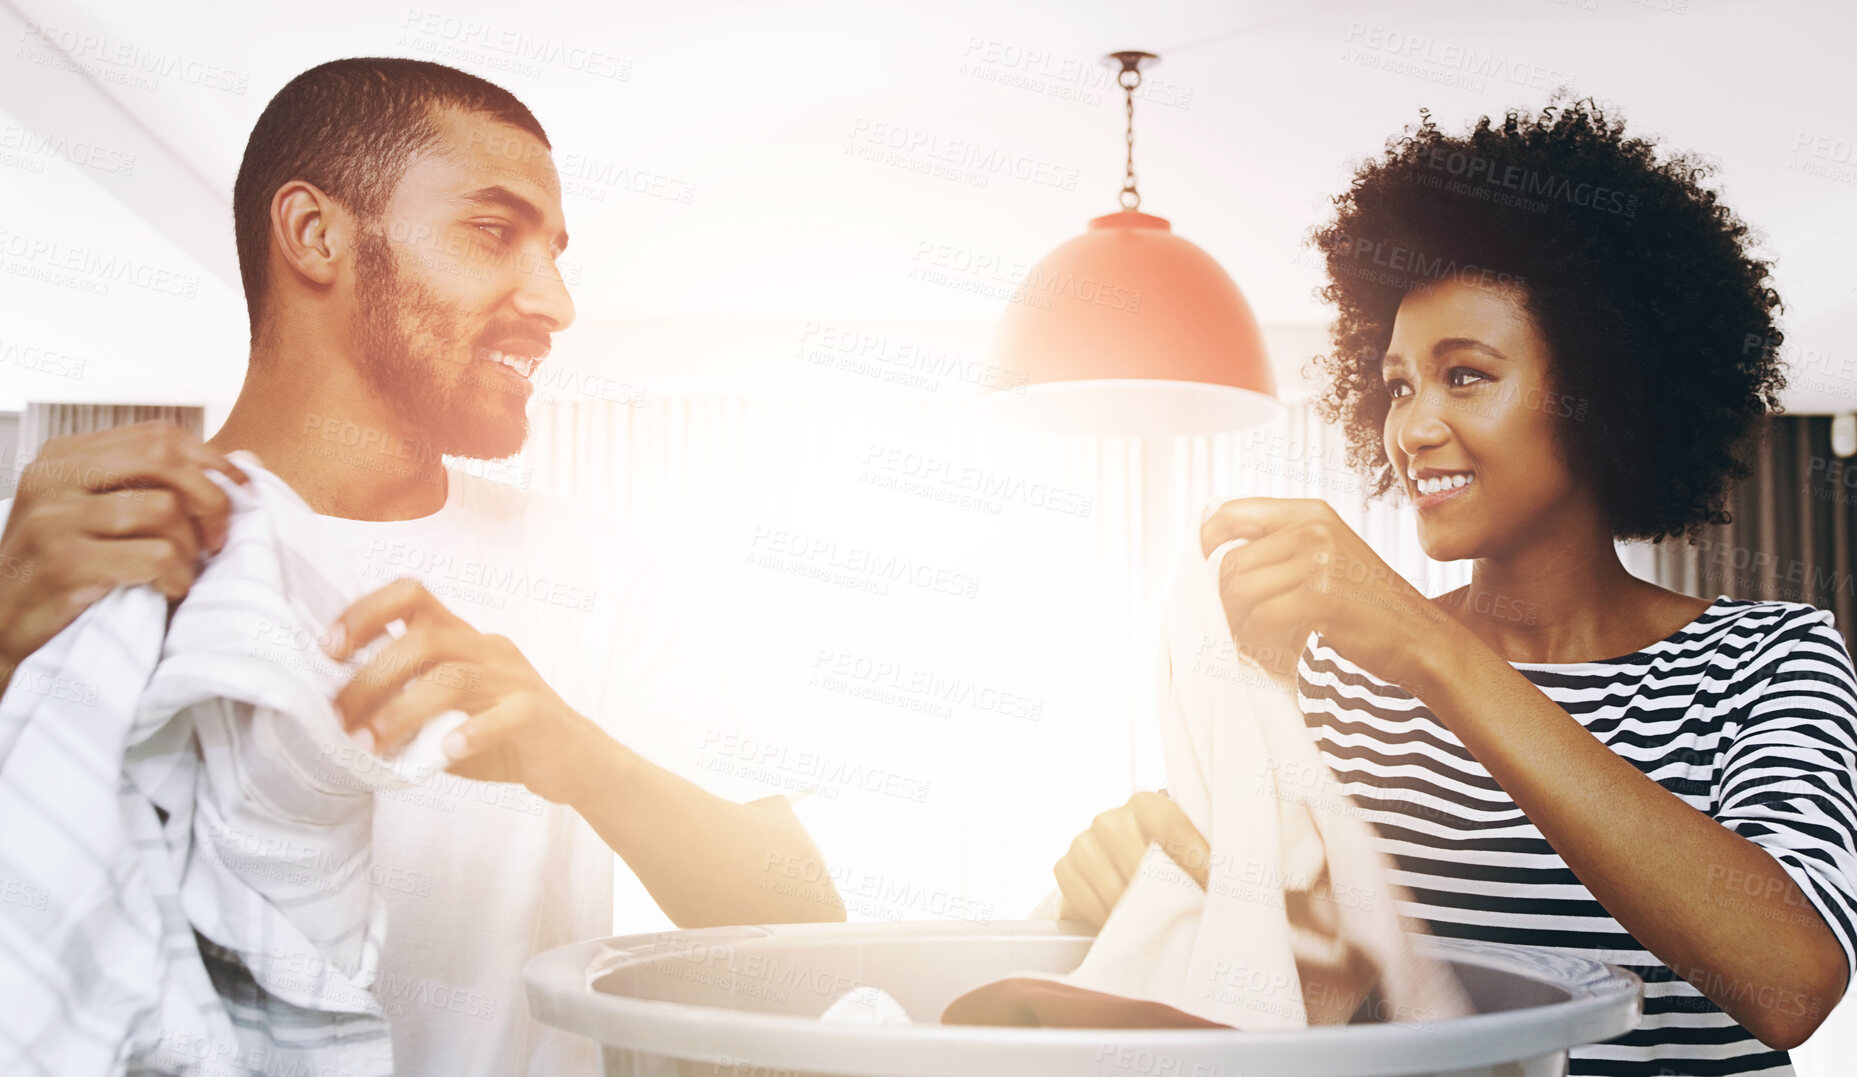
x=1129, y=329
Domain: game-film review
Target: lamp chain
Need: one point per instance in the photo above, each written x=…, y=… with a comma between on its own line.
x=1129, y=78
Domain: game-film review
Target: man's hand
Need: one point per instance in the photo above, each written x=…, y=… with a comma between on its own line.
x=94, y=512
x=706, y=861
x=519, y=729
x=1102, y=859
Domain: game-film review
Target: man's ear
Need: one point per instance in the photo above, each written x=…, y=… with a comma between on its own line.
x=311, y=231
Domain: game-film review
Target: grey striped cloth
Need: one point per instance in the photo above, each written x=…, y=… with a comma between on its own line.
x=187, y=827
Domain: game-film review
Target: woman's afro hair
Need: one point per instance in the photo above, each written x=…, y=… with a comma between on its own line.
x=1658, y=317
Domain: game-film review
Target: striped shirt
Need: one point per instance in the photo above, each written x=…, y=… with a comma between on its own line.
x=1748, y=713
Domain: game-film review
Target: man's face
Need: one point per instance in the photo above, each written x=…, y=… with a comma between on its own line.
x=456, y=288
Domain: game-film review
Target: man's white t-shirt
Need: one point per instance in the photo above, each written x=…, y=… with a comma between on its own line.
x=481, y=876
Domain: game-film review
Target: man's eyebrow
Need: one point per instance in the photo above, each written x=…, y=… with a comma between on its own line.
x=499, y=195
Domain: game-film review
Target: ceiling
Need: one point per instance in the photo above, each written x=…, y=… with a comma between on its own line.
x=739, y=174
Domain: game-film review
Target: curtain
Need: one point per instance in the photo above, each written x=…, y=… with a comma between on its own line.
x=41, y=422
x=1794, y=535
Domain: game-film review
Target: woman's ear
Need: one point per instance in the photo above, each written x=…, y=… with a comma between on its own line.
x=310, y=231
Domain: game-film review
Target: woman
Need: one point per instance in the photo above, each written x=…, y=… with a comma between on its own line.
x=1550, y=339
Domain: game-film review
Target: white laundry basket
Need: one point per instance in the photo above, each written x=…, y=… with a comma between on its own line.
x=745, y=1002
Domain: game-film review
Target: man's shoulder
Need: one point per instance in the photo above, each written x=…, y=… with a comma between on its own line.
x=490, y=487
x=505, y=490
x=542, y=527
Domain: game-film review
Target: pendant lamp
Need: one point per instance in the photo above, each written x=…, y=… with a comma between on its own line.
x=1129, y=329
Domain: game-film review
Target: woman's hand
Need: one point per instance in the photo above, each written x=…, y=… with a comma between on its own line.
x=1102, y=859
x=1304, y=569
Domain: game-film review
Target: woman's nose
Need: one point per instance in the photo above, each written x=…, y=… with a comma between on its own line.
x=1420, y=424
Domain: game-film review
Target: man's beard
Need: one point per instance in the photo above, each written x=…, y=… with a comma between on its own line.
x=408, y=339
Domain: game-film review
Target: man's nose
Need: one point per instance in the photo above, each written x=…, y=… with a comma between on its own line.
x=543, y=296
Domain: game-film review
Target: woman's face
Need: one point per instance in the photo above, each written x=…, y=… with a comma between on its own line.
x=1471, y=405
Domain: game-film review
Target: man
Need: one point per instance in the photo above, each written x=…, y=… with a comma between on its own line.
x=398, y=224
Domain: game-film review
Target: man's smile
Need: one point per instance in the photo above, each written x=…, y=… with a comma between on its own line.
x=519, y=357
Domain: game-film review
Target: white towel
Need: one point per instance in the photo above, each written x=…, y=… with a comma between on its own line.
x=865, y=1005
x=181, y=793
x=1296, y=882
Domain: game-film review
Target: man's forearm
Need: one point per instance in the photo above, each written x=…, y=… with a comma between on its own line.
x=705, y=860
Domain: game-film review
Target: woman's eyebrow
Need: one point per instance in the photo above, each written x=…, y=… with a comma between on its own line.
x=1444, y=347
x=1453, y=344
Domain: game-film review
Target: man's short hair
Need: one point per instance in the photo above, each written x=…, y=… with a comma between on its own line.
x=350, y=127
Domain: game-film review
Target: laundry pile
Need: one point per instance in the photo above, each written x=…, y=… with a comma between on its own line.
x=195, y=824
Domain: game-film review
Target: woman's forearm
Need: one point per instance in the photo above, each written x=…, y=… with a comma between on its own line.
x=1713, y=906
x=709, y=861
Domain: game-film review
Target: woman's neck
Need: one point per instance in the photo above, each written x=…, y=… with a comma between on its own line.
x=1564, y=597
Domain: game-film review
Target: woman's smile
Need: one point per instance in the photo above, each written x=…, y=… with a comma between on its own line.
x=1431, y=487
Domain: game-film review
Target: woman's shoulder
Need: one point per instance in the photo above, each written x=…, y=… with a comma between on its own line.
x=1783, y=646
x=1774, y=623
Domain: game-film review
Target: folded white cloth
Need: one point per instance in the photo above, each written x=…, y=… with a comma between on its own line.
x=183, y=794
x=865, y=1006
x=1298, y=924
